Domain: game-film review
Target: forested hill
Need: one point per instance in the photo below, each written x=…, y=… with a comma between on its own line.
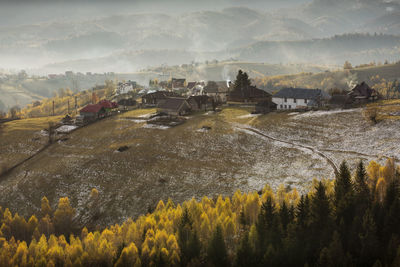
x=350, y=221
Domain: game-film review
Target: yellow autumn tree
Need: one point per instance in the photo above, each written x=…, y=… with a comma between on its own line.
x=63, y=217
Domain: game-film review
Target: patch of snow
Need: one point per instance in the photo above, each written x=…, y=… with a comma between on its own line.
x=66, y=128
x=146, y=116
x=324, y=113
x=155, y=126
x=43, y=133
x=138, y=121
x=293, y=113
x=248, y=116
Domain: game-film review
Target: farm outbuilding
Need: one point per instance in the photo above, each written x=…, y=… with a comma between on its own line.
x=174, y=106
x=362, y=93
x=155, y=97
x=249, y=94
x=201, y=102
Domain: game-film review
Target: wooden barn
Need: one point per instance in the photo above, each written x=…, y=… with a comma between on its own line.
x=201, y=102
x=362, y=93
x=174, y=106
x=154, y=98
x=249, y=94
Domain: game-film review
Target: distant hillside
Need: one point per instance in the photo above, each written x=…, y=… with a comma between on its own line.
x=21, y=91
x=342, y=79
x=356, y=48
x=129, y=42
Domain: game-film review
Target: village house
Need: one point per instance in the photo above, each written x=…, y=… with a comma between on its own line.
x=174, y=106
x=249, y=94
x=127, y=102
x=299, y=98
x=92, y=112
x=126, y=87
x=201, y=103
x=178, y=84
x=108, y=105
x=155, y=97
x=195, y=88
x=217, y=90
x=362, y=93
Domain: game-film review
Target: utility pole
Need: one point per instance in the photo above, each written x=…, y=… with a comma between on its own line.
x=68, y=106
x=53, y=107
x=76, y=105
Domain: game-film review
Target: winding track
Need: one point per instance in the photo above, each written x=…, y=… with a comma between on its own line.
x=312, y=149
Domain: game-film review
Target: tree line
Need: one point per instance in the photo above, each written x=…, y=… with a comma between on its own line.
x=352, y=220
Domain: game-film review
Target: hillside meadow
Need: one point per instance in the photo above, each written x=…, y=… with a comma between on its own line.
x=240, y=151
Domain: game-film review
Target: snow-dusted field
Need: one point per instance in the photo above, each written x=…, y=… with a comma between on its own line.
x=187, y=161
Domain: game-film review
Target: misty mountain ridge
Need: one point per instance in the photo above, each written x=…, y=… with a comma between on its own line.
x=203, y=35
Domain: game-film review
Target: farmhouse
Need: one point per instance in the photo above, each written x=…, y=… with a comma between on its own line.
x=127, y=102
x=126, y=87
x=249, y=94
x=217, y=90
x=178, y=83
x=299, y=98
x=154, y=98
x=195, y=88
x=108, y=105
x=92, y=112
x=174, y=106
x=362, y=93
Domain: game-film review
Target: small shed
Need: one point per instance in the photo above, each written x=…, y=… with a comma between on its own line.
x=174, y=106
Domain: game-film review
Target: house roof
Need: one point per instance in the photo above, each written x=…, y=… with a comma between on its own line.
x=172, y=103
x=190, y=85
x=249, y=92
x=362, y=90
x=198, y=99
x=178, y=82
x=106, y=104
x=160, y=94
x=92, y=108
x=299, y=93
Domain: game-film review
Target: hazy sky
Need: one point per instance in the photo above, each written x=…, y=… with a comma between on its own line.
x=19, y=12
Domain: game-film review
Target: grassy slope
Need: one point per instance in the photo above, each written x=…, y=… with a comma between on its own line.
x=182, y=162
x=21, y=138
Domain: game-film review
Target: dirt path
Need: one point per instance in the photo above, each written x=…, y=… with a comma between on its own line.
x=312, y=149
x=359, y=154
